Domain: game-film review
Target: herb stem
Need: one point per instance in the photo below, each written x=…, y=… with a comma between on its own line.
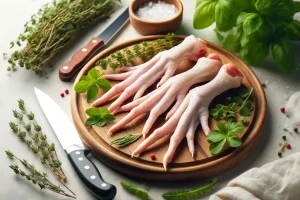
x=245, y=100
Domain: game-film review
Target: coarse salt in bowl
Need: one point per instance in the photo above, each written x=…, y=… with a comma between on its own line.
x=155, y=16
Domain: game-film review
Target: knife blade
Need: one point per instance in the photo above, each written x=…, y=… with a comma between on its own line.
x=68, y=70
x=73, y=146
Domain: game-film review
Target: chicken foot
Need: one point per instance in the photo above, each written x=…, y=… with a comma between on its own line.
x=175, y=89
x=137, y=79
x=192, y=112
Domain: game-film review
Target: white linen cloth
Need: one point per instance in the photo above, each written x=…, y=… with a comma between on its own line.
x=278, y=180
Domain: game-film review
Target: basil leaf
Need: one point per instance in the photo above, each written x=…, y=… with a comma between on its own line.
x=92, y=93
x=204, y=15
x=222, y=127
x=82, y=86
x=94, y=74
x=217, y=147
x=215, y=136
x=297, y=6
x=252, y=22
x=284, y=11
x=92, y=121
x=282, y=52
x=232, y=42
x=265, y=32
x=143, y=194
x=266, y=7
x=93, y=112
x=104, y=110
x=240, y=18
x=103, y=84
x=101, y=123
x=225, y=19
x=293, y=30
x=234, y=141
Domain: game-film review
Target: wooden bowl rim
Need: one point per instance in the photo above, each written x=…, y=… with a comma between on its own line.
x=88, y=139
x=132, y=14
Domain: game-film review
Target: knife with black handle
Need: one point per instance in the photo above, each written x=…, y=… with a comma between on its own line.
x=76, y=151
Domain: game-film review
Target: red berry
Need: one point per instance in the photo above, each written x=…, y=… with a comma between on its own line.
x=62, y=94
x=282, y=109
x=226, y=103
x=288, y=146
x=152, y=156
x=67, y=91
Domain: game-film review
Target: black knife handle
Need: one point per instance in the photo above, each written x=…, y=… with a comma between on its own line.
x=90, y=176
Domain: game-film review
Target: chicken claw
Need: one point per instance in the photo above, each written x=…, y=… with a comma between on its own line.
x=175, y=89
x=192, y=112
x=137, y=79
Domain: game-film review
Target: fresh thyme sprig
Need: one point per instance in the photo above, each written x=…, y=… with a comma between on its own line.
x=126, y=140
x=144, y=51
x=53, y=28
x=37, y=141
x=36, y=177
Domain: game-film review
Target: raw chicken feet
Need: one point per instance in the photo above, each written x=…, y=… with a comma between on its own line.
x=175, y=88
x=137, y=79
x=192, y=112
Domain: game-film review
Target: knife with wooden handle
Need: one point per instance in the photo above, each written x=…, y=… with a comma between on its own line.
x=68, y=70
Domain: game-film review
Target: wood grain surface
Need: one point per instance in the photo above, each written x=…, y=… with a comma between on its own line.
x=183, y=166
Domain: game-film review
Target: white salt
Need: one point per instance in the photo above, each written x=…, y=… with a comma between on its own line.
x=156, y=11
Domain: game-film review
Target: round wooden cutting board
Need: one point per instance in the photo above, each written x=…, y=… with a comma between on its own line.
x=183, y=166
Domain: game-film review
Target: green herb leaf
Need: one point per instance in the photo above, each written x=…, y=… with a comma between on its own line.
x=220, y=111
x=94, y=74
x=293, y=30
x=82, y=86
x=234, y=141
x=92, y=121
x=232, y=106
x=188, y=194
x=232, y=42
x=222, y=127
x=252, y=22
x=109, y=117
x=244, y=120
x=246, y=109
x=141, y=193
x=98, y=117
x=225, y=18
x=103, y=84
x=282, y=52
x=266, y=7
x=234, y=128
x=101, y=123
x=93, y=112
x=216, y=136
x=217, y=147
x=204, y=10
x=244, y=93
x=126, y=140
x=238, y=100
x=92, y=93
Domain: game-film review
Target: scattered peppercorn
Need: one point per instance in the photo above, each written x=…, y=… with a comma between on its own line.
x=296, y=130
x=228, y=98
x=288, y=146
x=279, y=154
x=67, y=91
x=62, y=95
x=284, y=137
x=226, y=103
x=152, y=156
x=282, y=109
x=263, y=85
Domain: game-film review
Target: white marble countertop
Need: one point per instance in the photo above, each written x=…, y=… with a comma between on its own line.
x=19, y=84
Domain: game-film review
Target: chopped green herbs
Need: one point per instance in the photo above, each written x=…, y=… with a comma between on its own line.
x=141, y=193
x=227, y=134
x=91, y=84
x=189, y=194
x=144, y=50
x=98, y=116
x=126, y=140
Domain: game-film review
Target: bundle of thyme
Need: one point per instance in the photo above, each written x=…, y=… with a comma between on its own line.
x=144, y=50
x=53, y=28
x=36, y=177
x=36, y=140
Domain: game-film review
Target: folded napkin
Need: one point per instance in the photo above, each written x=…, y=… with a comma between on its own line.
x=278, y=180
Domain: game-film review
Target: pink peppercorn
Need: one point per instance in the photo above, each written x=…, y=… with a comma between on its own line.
x=288, y=146
x=62, y=95
x=282, y=109
x=227, y=103
x=67, y=91
x=152, y=156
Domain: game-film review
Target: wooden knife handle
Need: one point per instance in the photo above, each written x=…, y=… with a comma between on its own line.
x=68, y=70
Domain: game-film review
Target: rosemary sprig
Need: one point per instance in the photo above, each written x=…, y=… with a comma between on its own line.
x=53, y=28
x=144, y=51
x=126, y=140
x=36, y=177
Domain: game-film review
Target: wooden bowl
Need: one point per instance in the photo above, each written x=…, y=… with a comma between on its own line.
x=147, y=27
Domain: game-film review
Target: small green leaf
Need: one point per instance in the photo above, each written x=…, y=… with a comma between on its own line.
x=104, y=110
x=244, y=120
x=103, y=84
x=215, y=136
x=238, y=100
x=222, y=127
x=217, y=147
x=204, y=15
x=94, y=74
x=266, y=7
x=244, y=93
x=252, y=22
x=234, y=141
x=82, y=86
x=101, y=123
x=139, y=192
x=93, y=112
x=246, y=108
x=109, y=117
x=219, y=112
x=92, y=121
x=232, y=42
x=92, y=93
x=293, y=30
x=232, y=106
x=234, y=128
